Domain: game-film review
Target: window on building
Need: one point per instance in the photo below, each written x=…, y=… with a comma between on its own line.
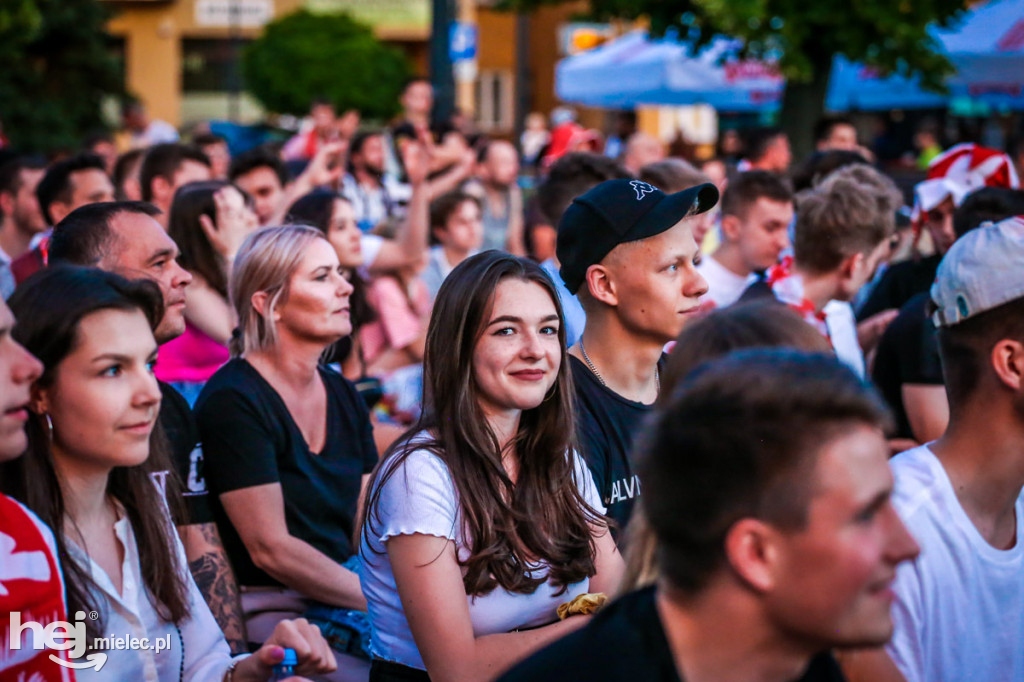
x=209, y=65
x=494, y=100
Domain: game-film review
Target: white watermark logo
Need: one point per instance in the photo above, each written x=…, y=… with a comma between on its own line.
x=61, y=635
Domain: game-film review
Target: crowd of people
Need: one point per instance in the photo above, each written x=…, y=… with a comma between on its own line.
x=362, y=397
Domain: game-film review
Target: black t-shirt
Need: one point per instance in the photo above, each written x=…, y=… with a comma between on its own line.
x=605, y=425
x=250, y=439
x=186, y=453
x=908, y=353
x=898, y=284
x=626, y=641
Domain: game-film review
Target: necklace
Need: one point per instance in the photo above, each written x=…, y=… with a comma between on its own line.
x=583, y=350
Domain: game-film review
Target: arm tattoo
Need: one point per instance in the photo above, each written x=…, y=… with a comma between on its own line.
x=216, y=582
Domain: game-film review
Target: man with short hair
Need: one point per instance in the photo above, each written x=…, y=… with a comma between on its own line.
x=627, y=251
x=757, y=208
x=165, y=168
x=907, y=369
x=21, y=221
x=835, y=132
x=957, y=609
x=124, y=237
x=951, y=177
x=216, y=149
x=146, y=131
x=66, y=185
x=568, y=178
x=767, y=489
x=263, y=175
x=496, y=184
x=642, y=149
x=375, y=195
x=842, y=234
x=318, y=130
x=766, y=149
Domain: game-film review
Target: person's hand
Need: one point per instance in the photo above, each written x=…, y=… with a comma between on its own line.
x=328, y=164
x=234, y=221
x=869, y=332
x=312, y=650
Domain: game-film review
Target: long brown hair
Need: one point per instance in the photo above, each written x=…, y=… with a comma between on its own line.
x=50, y=306
x=542, y=515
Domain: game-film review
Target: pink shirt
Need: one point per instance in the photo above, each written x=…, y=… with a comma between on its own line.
x=193, y=357
x=398, y=323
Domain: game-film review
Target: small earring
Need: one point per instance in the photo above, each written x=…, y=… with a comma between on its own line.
x=49, y=425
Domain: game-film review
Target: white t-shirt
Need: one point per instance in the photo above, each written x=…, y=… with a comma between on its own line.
x=959, y=611
x=842, y=330
x=724, y=286
x=419, y=498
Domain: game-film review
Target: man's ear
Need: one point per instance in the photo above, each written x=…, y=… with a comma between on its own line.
x=851, y=265
x=600, y=285
x=1007, y=359
x=752, y=551
x=731, y=228
x=162, y=190
x=6, y=204
x=58, y=209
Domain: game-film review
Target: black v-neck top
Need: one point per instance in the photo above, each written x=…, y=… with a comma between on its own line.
x=250, y=439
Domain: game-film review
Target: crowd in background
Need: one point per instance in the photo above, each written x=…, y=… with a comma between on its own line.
x=416, y=403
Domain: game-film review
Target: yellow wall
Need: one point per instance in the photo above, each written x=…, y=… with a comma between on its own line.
x=152, y=34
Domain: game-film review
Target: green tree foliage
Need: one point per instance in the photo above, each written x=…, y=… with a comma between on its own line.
x=803, y=35
x=303, y=56
x=57, y=67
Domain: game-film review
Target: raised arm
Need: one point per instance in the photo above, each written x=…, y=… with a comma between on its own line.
x=410, y=243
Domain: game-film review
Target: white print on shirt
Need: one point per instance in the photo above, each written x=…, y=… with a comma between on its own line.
x=196, y=483
x=625, y=489
x=20, y=565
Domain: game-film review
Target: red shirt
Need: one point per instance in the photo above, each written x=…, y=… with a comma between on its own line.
x=31, y=585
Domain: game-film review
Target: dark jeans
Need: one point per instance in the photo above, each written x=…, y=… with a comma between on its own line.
x=387, y=671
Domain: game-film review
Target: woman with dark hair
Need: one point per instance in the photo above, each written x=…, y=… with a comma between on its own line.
x=287, y=441
x=760, y=324
x=482, y=520
x=88, y=473
x=208, y=222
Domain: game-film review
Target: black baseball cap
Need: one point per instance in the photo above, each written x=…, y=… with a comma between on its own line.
x=616, y=212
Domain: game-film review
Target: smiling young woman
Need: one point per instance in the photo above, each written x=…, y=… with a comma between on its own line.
x=482, y=520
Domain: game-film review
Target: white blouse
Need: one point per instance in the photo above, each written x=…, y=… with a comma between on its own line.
x=130, y=614
x=420, y=498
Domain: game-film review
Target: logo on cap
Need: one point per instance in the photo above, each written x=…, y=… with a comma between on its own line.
x=642, y=189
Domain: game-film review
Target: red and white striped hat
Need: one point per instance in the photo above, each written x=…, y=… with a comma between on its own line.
x=957, y=172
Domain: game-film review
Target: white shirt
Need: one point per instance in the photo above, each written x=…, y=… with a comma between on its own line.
x=157, y=132
x=420, y=498
x=959, y=612
x=724, y=286
x=842, y=330
x=130, y=614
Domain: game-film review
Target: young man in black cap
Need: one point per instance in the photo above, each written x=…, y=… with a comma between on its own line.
x=627, y=252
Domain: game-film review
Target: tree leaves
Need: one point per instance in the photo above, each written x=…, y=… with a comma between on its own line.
x=57, y=68
x=304, y=55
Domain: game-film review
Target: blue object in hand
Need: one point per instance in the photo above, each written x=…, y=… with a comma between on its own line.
x=286, y=668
